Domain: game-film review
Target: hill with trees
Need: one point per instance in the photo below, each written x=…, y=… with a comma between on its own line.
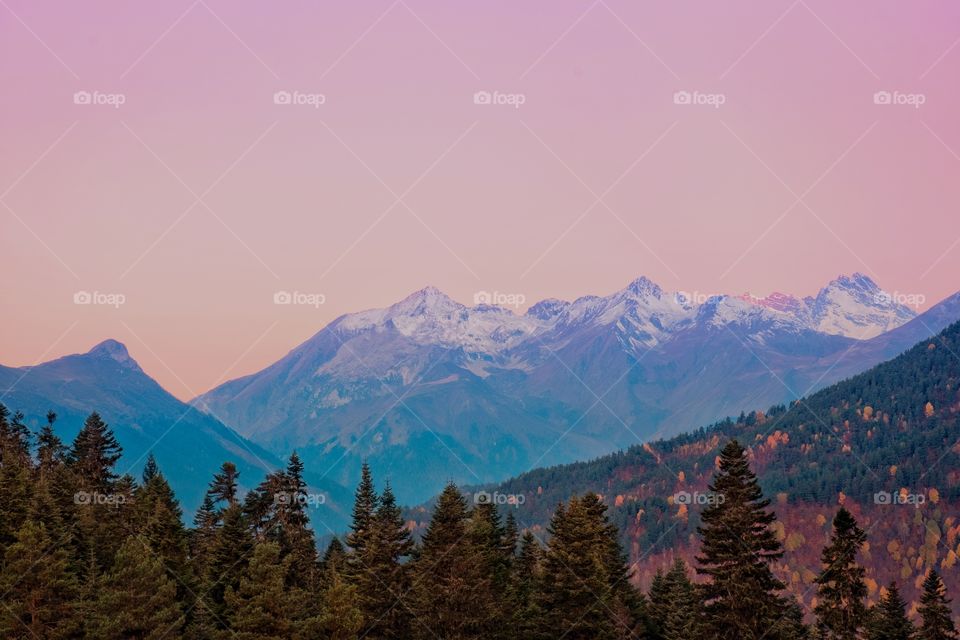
x=883, y=444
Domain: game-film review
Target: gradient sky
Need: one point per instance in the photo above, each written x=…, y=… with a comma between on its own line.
x=199, y=197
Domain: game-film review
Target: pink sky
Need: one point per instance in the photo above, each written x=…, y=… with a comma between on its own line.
x=199, y=197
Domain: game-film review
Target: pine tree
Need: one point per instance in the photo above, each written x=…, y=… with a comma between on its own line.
x=137, y=598
x=101, y=497
x=54, y=486
x=14, y=435
x=659, y=598
x=228, y=559
x=335, y=557
x=488, y=535
x=260, y=608
x=451, y=594
x=385, y=580
x=841, y=589
x=575, y=590
x=223, y=488
x=741, y=600
x=206, y=522
x=364, y=508
x=293, y=531
x=680, y=621
x=340, y=618
x=94, y=452
x=37, y=586
x=260, y=507
x=935, y=616
x=15, y=490
x=525, y=615
x=159, y=523
x=888, y=619
x=51, y=452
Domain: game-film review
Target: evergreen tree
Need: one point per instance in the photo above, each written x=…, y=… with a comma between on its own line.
x=841, y=589
x=94, y=452
x=659, y=598
x=223, y=488
x=228, y=559
x=511, y=536
x=451, y=591
x=335, y=557
x=576, y=595
x=260, y=507
x=160, y=524
x=627, y=605
x=525, y=579
x=51, y=452
x=680, y=619
x=741, y=600
x=936, y=622
x=364, y=508
x=260, y=608
x=340, y=618
x=15, y=491
x=293, y=529
x=37, y=587
x=206, y=522
x=101, y=498
x=489, y=539
x=136, y=599
x=888, y=618
x=14, y=435
x=384, y=582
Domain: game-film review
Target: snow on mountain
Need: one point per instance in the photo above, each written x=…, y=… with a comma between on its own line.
x=429, y=316
x=444, y=390
x=856, y=307
x=642, y=312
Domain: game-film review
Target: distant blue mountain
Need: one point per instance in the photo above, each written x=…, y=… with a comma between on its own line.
x=189, y=445
x=429, y=390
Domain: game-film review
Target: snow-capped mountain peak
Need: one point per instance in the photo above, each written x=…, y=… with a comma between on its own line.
x=644, y=287
x=856, y=307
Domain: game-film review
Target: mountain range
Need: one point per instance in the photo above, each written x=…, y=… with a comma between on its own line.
x=429, y=390
x=189, y=445
x=885, y=444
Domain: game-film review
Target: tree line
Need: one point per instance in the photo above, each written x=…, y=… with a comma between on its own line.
x=87, y=553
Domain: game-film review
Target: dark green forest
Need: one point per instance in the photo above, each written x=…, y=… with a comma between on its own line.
x=88, y=554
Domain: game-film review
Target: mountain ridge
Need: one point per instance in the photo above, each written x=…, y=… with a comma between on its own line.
x=188, y=444
x=890, y=431
x=436, y=387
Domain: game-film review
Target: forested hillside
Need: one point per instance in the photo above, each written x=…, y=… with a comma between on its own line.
x=835, y=517
x=884, y=444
